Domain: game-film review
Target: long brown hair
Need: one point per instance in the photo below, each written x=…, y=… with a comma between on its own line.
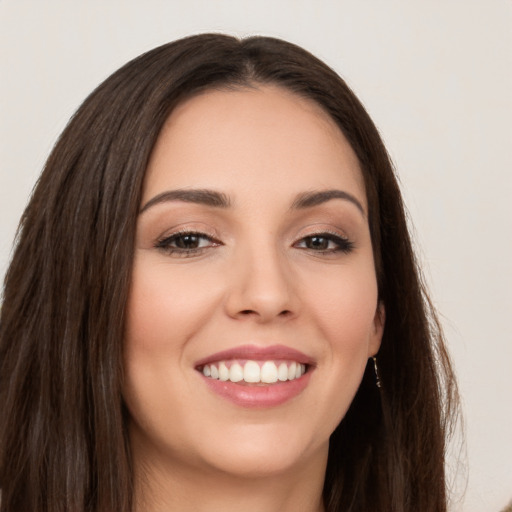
x=63, y=439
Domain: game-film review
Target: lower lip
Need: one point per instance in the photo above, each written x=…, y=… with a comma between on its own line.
x=268, y=395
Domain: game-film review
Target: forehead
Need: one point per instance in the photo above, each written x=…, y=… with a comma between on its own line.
x=264, y=139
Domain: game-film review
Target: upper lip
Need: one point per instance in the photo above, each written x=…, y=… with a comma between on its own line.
x=254, y=352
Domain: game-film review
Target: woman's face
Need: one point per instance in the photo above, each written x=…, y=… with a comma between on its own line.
x=253, y=306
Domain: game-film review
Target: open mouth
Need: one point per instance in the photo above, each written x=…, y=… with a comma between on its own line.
x=254, y=372
x=255, y=376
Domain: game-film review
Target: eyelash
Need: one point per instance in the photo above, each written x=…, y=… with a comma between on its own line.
x=164, y=244
x=342, y=244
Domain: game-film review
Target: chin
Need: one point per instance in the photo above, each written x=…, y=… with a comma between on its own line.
x=263, y=450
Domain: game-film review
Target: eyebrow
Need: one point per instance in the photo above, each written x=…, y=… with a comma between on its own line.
x=220, y=200
x=198, y=196
x=310, y=199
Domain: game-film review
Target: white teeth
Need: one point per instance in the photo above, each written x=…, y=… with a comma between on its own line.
x=252, y=372
x=291, y=371
x=269, y=372
x=223, y=372
x=236, y=373
x=282, y=372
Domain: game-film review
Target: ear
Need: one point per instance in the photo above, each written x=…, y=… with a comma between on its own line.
x=378, y=328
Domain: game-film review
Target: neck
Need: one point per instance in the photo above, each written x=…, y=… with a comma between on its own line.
x=162, y=486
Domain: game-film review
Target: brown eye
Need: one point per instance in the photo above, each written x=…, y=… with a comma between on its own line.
x=186, y=243
x=325, y=243
x=319, y=243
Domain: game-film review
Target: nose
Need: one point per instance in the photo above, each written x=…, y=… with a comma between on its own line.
x=261, y=287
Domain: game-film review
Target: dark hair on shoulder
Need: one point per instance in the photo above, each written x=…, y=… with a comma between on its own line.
x=63, y=436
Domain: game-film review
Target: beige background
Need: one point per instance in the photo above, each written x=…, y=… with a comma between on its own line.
x=437, y=78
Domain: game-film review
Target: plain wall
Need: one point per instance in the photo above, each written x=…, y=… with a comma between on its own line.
x=436, y=76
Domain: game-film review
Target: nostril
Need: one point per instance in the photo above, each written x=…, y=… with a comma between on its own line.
x=246, y=312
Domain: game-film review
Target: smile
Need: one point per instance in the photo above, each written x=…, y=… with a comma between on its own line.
x=254, y=372
x=252, y=376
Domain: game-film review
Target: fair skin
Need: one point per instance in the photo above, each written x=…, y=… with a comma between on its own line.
x=265, y=266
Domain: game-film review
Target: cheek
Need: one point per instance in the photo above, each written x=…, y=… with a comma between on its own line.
x=164, y=312
x=344, y=306
x=166, y=306
x=344, y=310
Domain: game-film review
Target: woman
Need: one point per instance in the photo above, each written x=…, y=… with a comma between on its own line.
x=214, y=303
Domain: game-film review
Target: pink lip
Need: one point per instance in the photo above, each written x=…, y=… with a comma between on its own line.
x=258, y=395
x=255, y=353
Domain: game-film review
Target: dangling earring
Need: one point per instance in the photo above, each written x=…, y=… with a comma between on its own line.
x=376, y=368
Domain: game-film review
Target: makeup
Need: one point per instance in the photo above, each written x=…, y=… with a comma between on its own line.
x=252, y=376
